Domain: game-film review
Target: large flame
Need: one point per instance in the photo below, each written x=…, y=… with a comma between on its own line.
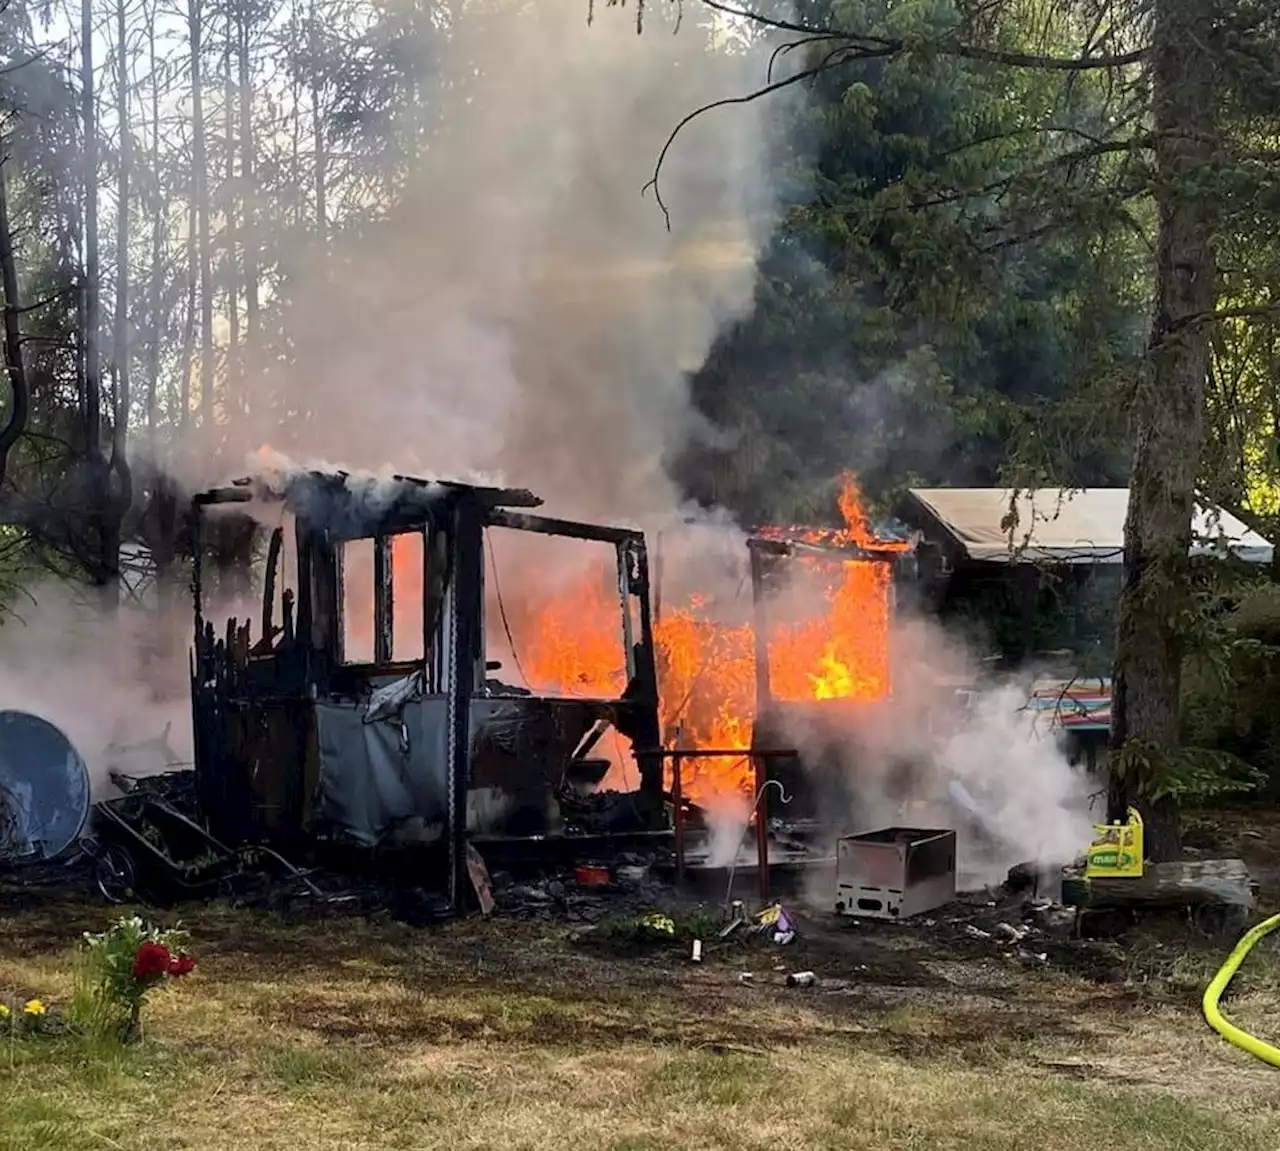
x=831, y=643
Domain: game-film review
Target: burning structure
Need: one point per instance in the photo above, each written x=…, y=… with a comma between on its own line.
x=368, y=708
x=365, y=710
x=813, y=654
x=807, y=651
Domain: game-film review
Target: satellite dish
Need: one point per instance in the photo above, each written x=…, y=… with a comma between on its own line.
x=44, y=789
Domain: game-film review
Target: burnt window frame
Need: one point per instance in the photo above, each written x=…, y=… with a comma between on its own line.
x=632, y=587
x=430, y=660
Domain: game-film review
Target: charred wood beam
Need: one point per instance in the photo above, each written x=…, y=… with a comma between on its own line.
x=222, y=496
x=764, y=689
x=439, y=562
x=625, y=594
x=303, y=538
x=758, y=544
x=269, y=585
x=467, y=642
x=506, y=497
x=717, y=753
x=542, y=525
x=383, y=601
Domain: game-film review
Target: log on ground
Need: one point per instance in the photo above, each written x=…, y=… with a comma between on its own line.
x=1180, y=883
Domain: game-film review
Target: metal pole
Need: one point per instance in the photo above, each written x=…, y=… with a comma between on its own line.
x=762, y=827
x=677, y=797
x=760, y=627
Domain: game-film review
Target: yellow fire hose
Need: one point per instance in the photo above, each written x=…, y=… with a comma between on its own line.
x=1218, y=984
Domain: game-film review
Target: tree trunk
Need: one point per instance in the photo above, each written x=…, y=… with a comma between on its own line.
x=189, y=320
x=92, y=364
x=20, y=398
x=103, y=543
x=157, y=245
x=295, y=115
x=200, y=184
x=121, y=340
x=231, y=384
x=120, y=479
x=1169, y=419
x=247, y=190
x=317, y=131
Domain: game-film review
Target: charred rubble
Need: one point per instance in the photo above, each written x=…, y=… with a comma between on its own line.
x=399, y=765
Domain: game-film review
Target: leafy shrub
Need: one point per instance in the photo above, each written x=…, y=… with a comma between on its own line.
x=1230, y=685
x=654, y=931
x=24, y=1019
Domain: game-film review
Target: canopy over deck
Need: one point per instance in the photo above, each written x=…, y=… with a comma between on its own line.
x=1053, y=525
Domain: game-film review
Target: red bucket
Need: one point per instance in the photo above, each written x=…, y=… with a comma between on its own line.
x=592, y=875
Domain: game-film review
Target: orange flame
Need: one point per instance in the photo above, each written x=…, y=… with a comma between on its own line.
x=832, y=645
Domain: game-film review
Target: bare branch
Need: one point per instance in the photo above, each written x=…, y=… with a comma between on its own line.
x=45, y=51
x=1256, y=312
x=946, y=46
x=1174, y=330
x=790, y=46
x=1093, y=151
x=750, y=97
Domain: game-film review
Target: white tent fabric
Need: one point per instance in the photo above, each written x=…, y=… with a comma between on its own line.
x=1055, y=525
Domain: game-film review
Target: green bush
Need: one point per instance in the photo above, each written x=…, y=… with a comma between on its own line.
x=1231, y=684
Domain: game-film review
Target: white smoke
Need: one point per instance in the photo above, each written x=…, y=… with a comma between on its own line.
x=521, y=313
x=523, y=310
x=106, y=681
x=952, y=748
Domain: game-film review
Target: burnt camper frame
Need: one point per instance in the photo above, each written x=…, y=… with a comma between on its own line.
x=294, y=745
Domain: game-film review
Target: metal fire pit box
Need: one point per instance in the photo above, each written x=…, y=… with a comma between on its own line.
x=895, y=873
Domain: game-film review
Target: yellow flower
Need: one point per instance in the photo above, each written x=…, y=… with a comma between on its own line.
x=34, y=1007
x=4, y=1011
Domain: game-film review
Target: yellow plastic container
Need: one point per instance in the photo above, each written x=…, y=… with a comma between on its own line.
x=1116, y=850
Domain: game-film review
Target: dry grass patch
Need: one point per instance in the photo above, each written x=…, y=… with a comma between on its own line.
x=350, y=1034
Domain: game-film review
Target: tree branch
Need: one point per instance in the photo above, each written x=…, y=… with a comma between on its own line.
x=20, y=64
x=750, y=97
x=1254, y=312
x=20, y=403
x=1174, y=328
x=947, y=46
x=1065, y=160
x=855, y=46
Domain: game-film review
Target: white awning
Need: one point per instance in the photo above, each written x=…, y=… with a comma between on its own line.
x=1055, y=525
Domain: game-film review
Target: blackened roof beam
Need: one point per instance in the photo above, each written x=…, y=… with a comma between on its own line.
x=352, y=505
x=833, y=551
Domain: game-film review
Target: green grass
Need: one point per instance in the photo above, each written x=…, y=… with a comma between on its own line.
x=349, y=1034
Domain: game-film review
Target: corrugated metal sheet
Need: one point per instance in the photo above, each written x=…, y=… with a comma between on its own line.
x=1063, y=526
x=1075, y=704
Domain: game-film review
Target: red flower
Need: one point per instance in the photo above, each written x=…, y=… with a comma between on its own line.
x=151, y=959
x=181, y=964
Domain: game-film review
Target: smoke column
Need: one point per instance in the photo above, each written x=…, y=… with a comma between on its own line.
x=523, y=310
